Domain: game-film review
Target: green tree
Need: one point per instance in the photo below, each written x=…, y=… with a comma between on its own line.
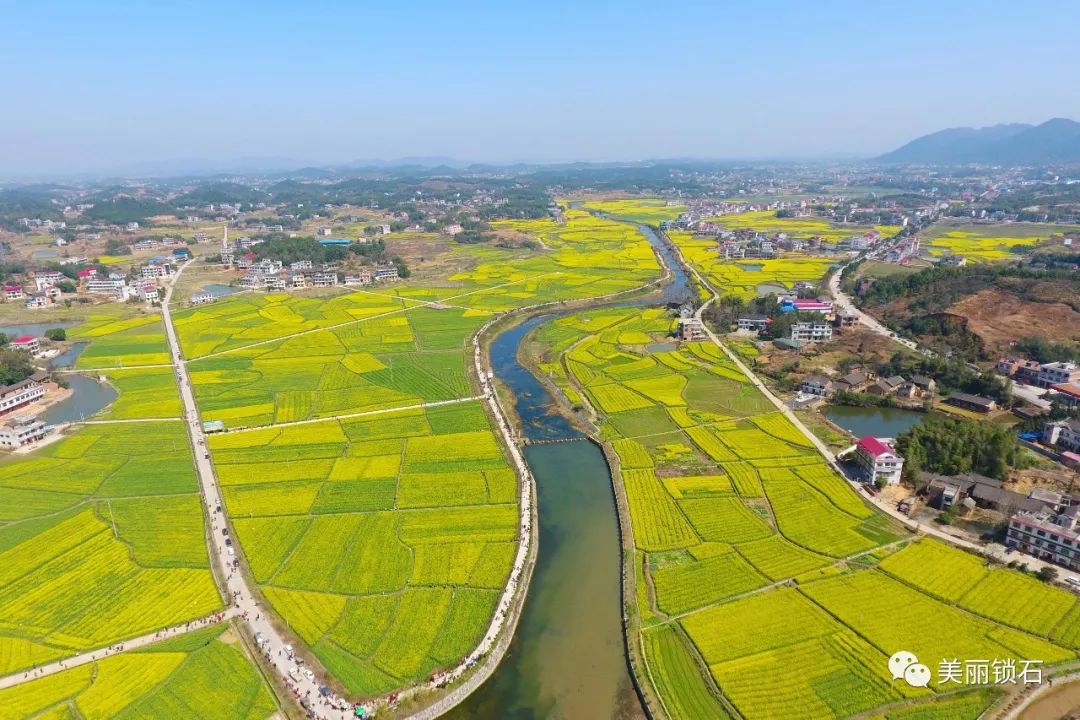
x=56, y=334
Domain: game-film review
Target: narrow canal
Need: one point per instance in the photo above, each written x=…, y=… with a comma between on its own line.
x=567, y=659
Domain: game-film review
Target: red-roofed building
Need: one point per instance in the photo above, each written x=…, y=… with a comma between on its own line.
x=26, y=342
x=878, y=460
x=14, y=292
x=1068, y=392
x=87, y=273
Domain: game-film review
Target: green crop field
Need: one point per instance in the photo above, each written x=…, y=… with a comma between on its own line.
x=201, y=675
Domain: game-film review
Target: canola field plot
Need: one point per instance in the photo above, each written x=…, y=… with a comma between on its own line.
x=648, y=211
x=882, y=608
x=684, y=692
x=109, y=543
x=144, y=393
x=689, y=584
x=838, y=673
x=204, y=674
x=990, y=243
x=385, y=555
x=118, y=341
x=1000, y=594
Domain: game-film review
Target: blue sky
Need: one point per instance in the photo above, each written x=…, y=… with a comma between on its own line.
x=103, y=85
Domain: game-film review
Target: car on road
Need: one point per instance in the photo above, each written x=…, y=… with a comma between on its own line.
x=308, y=674
x=231, y=551
x=228, y=542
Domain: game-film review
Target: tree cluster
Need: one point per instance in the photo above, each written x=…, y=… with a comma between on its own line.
x=953, y=447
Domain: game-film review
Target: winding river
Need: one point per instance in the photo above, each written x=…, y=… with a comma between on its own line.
x=567, y=659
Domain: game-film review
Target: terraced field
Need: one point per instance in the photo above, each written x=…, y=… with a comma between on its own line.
x=650, y=211
x=204, y=674
x=758, y=590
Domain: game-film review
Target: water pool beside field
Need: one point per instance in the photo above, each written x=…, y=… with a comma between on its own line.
x=876, y=421
x=218, y=290
x=750, y=267
x=768, y=288
x=88, y=396
x=35, y=329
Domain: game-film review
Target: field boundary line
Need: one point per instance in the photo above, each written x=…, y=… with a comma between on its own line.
x=366, y=413
x=84, y=657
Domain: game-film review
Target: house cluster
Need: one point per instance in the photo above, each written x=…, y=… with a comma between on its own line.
x=862, y=381
x=273, y=276
x=905, y=249
x=1062, y=379
x=807, y=330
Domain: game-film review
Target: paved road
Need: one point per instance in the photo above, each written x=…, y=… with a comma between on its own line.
x=255, y=620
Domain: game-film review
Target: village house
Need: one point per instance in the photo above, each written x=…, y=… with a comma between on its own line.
x=298, y=280
x=810, y=331
x=1025, y=372
x=924, y=385
x=275, y=283
x=109, y=285
x=37, y=301
x=977, y=403
x=324, y=279
x=1067, y=393
x=818, y=385
x=756, y=323
x=854, y=381
x=878, y=460
x=365, y=277
x=386, y=273
x=1047, y=535
x=21, y=430
x=148, y=292
x=202, y=298
x=884, y=387
x=156, y=270
x=954, y=261
x=945, y=491
x=1057, y=373
x=52, y=293
x=691, y=329
x=14, y=292
x=86, y=274
x=28, y=343
x=44, y=279
x=1062, y=434
x=844, y=320
x=300, y=265
x=22, y=393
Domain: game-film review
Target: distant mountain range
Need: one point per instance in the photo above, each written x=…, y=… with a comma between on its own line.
x=1054, y=142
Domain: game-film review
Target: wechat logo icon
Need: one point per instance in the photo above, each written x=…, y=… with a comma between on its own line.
x=905, y=665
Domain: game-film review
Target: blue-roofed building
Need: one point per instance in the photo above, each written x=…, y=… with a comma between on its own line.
x=335, y=241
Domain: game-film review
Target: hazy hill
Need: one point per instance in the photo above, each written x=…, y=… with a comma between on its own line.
x=1055, y=141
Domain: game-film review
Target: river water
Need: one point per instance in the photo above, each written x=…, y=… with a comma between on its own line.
x=567, y=658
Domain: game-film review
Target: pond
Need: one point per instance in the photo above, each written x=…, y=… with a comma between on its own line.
x=218, y=290
x=750, y=267
x=88, y=396
x=34, y=329
x=876, y=421
x=769, y=288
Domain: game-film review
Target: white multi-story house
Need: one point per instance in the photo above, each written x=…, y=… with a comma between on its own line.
x=1063, y=434
x=300, y=265
x=275, y=283
x=156, y=270
x=21, y=393
x=811, y=331
x=104, y=285
x=202, y=298
x=44, y=279
x=324, y=279
x=386, y=272
x=14, y=292
x=878, y=460
x=1047, y=535
x=1058, y=373
x=19, y=431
